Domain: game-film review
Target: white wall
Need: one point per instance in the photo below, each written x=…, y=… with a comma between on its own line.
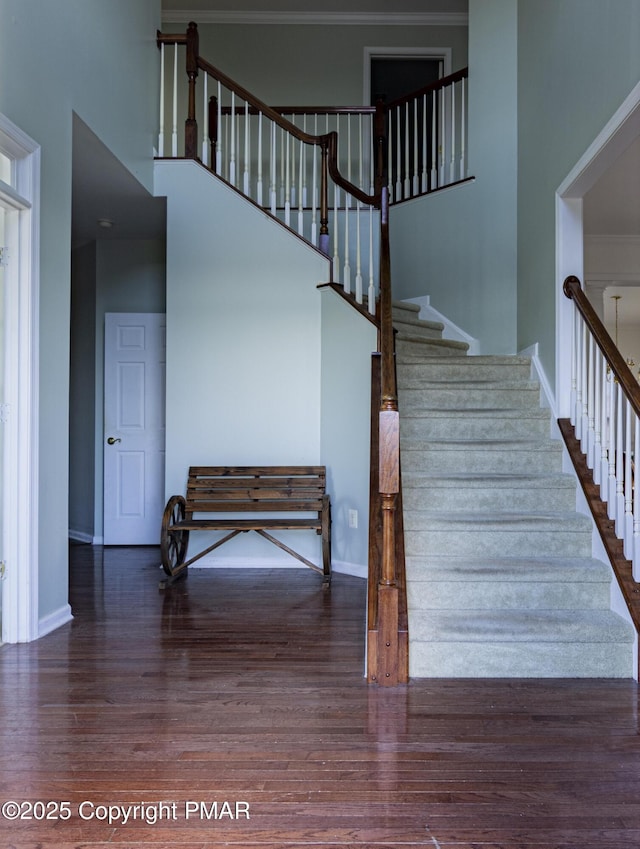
x=243, y=339
x=459, y=246
x=348, y=340
x=96, y=57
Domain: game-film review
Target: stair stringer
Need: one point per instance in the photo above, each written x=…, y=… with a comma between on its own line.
x=542, y=610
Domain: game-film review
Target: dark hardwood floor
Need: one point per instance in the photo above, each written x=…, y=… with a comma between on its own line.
x=246, y=688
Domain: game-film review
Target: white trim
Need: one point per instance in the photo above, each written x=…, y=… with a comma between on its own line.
x=611, y=142
x=20, y=485
x=81, y=536
x=54, y=620
x=401, y=19
x=547, y=397
x=369, y=53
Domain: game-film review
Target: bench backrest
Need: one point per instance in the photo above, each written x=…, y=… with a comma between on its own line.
x=236, y=489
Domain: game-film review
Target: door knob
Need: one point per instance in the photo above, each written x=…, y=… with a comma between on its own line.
x=112, y=440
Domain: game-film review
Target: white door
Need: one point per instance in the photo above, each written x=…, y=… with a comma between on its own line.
x=134, y=422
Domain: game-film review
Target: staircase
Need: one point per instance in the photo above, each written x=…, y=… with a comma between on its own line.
x=500, y=578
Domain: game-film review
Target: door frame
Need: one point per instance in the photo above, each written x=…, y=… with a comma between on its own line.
x=20, y=621
x=441, y=53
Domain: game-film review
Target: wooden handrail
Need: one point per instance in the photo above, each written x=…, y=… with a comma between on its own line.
x=621, y=371
x=462, y=74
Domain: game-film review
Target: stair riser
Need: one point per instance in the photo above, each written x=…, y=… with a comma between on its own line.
x=453, y=498
x=527, y=660
x=433, y=331
x=430, y=398
x=461, y=427
x=498, y=543
x=506, y=595
x=426, y=350
x=451, y=372
x=443, y=462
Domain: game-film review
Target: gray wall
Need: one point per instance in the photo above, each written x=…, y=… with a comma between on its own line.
x=96, y=57
x=459, y=245
x=577, y=61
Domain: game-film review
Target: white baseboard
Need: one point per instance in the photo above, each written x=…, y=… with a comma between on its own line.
x=548, y=398
x=81, y=536
x=54, y=620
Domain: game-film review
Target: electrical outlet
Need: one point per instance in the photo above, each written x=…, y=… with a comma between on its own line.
x=353, y=518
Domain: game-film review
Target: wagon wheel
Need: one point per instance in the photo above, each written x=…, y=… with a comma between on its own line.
x=173, y=543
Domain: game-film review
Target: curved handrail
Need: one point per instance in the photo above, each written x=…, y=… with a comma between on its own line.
x=621, y=371
x=462, y=74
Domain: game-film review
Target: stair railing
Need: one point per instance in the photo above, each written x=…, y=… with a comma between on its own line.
x=281, y=166
x=427, y=132
x=232, y=151
x=605, y=414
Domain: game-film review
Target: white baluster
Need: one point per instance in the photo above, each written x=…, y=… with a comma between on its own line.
x=205, y=123
x=452, y=165
x=597, y=418
x=287, y=182
x=174, y=129
x=619, y=520
x=300, y=192
x=425, y=177
x=574, y=367
x=273, y=176
x=314, y=190
x=161, y=130
x=604, y=433
x=398, y=157
x=282, y=167
x=416, y=160
x=636, y=503
x=407, y=167
x=463, y=152
x=579, y=367
x=232, y=142
x=218, y=142
x=390, y=159
x=336, y=247
x=371, y=294
x=259, y=184
x=611, y=484
x=303, y=167
x=443, y=144
x=359, y=292
x=346, y=282
x=591, y=427
x=584, y=391
x=246, y=172
x=628, y=492
x=434, y=140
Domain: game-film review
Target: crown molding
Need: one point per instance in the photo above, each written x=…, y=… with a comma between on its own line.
x=405, y=19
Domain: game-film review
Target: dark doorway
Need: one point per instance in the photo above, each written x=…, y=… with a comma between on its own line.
x=393, y=77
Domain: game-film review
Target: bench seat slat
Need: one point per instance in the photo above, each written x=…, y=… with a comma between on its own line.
x=252, y=506
x=246, y=524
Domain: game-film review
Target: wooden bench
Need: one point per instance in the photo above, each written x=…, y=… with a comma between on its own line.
x=286, y=491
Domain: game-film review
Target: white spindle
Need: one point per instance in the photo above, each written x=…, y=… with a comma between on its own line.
x=434, y=140
x=575, y=326
x=597, y=418
x=174, y=127
x=232, y=142
x=443, y=144
x=591, y=425
x=390, y=158
x=398, y=158
x=584, y=391
x=425, y=183
x=218, y=144
x=205, y=123
x=287, y=181
x=611, y=474
x=636, y=504
x=604, y=433
x=619, y=507
x=463, y=146
x=371, y=294
x=303, y=167
x=259, y=183
x=452, y=164
x=300, y=192
x=416, y=148
x=579, y=368
x=161, y=130
x=407, y=168
x=359, y=291
x=336, y=246
x=246, y=172
x=314, y=190
x=628, y=492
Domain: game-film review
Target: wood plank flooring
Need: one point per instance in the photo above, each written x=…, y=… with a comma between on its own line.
x=247, y=687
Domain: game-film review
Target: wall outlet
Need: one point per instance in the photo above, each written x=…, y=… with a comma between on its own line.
x=353, y=518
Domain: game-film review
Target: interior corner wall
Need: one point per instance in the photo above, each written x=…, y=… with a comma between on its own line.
x=577, y=61
x=348, y=340
x=243, y=338
x=459, y=245
x=99, y=59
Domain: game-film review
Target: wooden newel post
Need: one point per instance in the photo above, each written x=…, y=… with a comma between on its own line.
x=191, y=125
x=380, y=146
